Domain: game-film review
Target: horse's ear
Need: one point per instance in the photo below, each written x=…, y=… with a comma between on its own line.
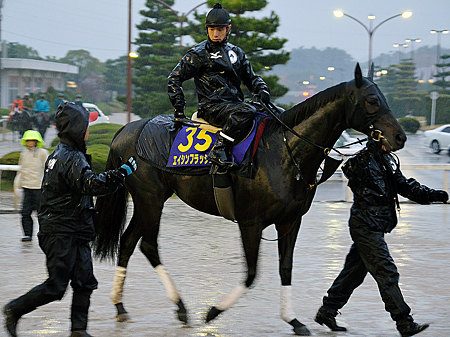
x=371, y=71
x=358, y=76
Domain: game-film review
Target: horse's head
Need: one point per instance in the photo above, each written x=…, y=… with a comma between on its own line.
x=367, y=111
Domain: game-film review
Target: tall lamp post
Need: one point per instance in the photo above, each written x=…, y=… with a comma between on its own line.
x=438, y=48
x=397, y=45
x=370, y=30
x=412, y=46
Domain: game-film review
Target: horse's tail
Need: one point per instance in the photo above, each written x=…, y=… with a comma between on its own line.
x=110, y=217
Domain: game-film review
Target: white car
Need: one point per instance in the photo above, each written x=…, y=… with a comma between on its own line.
x=348, y=148
x=96, y=116
x=437, y=139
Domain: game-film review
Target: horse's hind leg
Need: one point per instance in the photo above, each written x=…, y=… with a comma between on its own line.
x=149, y=248
x=128, y=242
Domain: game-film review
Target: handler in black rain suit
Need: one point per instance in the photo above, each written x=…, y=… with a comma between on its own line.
x=66, y=221
x=375, y=179
x=218, y=69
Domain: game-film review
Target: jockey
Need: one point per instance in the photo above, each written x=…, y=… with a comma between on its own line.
x=17, y=103
x=218, y=69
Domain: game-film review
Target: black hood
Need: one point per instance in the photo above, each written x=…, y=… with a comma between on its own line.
x=72, y=122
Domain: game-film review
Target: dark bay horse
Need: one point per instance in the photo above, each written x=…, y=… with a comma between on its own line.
x=280, y=193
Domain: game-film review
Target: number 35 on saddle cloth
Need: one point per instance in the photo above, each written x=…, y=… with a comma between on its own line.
x=185, y=152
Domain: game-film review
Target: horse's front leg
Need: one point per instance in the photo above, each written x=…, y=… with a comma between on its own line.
x=251, y=239
x=287, y=235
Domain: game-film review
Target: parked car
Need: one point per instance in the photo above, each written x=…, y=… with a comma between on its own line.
x=437, y=139
x=96, y=116
x=348, y=148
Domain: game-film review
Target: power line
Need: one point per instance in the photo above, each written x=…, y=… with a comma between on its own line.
x=64, y=44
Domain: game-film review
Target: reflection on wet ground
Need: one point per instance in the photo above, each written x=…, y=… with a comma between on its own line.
x=203, y=254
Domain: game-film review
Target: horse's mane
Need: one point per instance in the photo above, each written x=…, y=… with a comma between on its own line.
x=305, y=109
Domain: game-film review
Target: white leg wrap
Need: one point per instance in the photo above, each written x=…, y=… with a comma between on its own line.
x=232, y=297
x=117, y=288
x=172, y=292
x=287, y=313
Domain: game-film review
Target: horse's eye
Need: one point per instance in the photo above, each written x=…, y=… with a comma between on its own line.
x=372, y=104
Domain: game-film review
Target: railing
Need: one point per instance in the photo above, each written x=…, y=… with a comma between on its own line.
x=9, y=168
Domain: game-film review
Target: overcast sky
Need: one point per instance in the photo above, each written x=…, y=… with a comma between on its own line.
x=53, y=27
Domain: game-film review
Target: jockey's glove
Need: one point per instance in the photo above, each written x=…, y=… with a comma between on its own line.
x=264, y=96
x=179, y=113
x=128, y=167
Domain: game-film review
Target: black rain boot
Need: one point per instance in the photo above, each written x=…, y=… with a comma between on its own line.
x=327, y=316
x=220, y=151
x=407, y=327
x=80, y=333
x=10, y=320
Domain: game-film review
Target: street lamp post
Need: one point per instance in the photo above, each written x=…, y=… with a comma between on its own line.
x=438, y=47
x=370, y=30
x=412, y=46
x=397, y=45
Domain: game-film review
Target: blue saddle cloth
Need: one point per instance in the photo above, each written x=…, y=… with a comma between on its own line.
x=185, y=152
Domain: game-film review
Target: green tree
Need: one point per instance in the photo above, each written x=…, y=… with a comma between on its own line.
x=159, y=51
x=443, y=74
x=254, y=36
x=399, y=86
x=89, y=79
x=17, y=50
x=116, y=74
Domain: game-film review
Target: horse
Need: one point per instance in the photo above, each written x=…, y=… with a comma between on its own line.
x=280, y=192
x=21, y=121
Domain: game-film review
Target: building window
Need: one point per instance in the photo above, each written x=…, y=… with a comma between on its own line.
x=13, y=88
x=27, y=84
x=48, y=83
x=37, y=85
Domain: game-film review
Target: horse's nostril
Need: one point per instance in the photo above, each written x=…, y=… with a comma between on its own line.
x=401, y=138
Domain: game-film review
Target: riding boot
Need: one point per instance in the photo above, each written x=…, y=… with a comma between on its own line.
x=327, y=316
x=407, y=327
x=221, y=150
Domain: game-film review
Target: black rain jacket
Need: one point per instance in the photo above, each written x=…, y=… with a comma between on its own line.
x=375, y=179
x=218, y=70
x=69, y=182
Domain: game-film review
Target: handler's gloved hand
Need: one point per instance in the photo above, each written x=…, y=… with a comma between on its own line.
x=439, y=195
x=264, y=96
x=129, y=167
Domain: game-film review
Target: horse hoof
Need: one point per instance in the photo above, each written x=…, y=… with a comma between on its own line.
x=300, y=329
x=182, y=312
x=124, y=318
x=212, y=313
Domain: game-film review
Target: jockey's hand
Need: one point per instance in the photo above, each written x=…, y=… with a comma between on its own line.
x=264, y=96
x=439, y=195
x=178, y=113
x=129, y=167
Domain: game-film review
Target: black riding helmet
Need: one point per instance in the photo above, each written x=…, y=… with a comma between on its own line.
x=218, y=16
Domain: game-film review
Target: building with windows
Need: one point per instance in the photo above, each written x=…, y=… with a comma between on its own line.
x=20, y=76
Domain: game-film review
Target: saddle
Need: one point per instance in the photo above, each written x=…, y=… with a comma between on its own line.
x=184, y=151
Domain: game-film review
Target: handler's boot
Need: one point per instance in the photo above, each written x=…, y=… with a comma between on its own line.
x=327, y=316
x=221, y=150
x=80, y=333
x=407, y=327
x=10, y=320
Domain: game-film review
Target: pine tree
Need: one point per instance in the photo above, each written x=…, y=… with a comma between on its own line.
x=405, y=95
x=159, y=51
x=443, y=74
x=254, y=36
